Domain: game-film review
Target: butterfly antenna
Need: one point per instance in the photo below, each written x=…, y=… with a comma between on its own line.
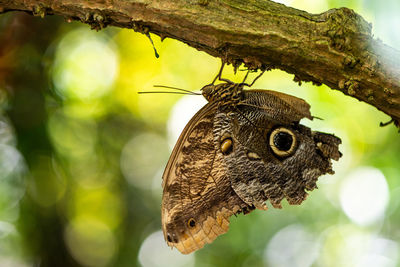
x=181, y=91
x=176, y=88
x=164, y=92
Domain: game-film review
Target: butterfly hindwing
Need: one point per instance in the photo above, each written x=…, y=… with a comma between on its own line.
x=256, y=173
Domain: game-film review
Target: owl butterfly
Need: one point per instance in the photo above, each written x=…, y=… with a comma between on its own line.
x=242, y=148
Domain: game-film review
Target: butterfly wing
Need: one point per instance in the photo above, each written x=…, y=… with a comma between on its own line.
x=275, y=106
x=197, y=195
x=224, y=163
x=258, y=174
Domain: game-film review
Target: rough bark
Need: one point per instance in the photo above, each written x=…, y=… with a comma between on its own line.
x=335, y=48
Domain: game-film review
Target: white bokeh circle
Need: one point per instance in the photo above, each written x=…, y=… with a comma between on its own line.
x=364, y=195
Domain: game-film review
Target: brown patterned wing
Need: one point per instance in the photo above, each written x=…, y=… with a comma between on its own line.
x=275, y=106
x=198, y=199
x=274, y=157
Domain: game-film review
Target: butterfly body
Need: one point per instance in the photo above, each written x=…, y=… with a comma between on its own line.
x=243, y=148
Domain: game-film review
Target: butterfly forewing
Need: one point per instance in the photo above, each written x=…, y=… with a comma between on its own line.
x=197, y=196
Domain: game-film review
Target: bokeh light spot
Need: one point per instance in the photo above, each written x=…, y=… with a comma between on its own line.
x=85, y=65
x=100, y=204
x=72, y=137
x=13, y=170
x=141, y=158
x=181, y=113
x=46, y=186
x=12, y=183
x=364, y=195
x=6, y=133
x=10, y=159
x=388, y=34
x=154, y=252
x=380, y=252
x=90, y=242
x=310, y=6
x=291, y=246
x=6, y=229
x=350, y=246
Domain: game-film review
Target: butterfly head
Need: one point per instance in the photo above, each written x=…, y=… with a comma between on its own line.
x=226, y=93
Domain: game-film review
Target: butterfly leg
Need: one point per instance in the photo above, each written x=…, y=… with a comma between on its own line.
x=245, y=77
x=219, y=75
x=255, y=79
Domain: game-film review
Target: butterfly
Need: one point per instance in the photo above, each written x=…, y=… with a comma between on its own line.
x=243, y=148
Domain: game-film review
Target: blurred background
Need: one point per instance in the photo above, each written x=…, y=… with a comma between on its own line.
x=82, y=154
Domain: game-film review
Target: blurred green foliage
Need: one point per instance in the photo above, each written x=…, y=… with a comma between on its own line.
x=82, y=154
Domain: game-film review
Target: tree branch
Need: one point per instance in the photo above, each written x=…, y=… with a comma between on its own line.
x=333, y=48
